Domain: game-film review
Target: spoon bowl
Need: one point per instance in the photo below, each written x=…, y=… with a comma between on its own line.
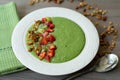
x=107, y=63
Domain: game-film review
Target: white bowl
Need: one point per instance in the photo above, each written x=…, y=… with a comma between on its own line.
x=86, y=56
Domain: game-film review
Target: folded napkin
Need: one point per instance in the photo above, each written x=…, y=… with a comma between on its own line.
x=8, y=20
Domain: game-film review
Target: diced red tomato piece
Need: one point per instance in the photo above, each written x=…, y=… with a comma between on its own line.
x=42, y=55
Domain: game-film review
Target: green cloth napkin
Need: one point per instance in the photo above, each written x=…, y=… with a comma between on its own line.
x=8, y=20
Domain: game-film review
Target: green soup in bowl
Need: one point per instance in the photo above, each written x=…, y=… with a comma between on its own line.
x=70, y=40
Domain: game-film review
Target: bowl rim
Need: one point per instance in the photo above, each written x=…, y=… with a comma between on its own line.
x=91, y=45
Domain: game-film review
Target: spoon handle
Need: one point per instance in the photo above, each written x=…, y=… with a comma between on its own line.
x=78, y=74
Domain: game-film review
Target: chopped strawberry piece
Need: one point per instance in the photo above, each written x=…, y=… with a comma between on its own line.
x=51, y=38
x=51, y=26
x=51, y=53
x=48, y=24
x=52, y=47
x=44, y=20
x=45, y=34
x=47, y=58
x=50, y=30
x=44, y=41
x=42, y=55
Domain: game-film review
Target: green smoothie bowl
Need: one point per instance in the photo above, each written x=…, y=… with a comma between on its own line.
x=55, y=39
x=52, y=42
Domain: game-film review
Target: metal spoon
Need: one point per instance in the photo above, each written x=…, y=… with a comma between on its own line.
x=104, y=64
